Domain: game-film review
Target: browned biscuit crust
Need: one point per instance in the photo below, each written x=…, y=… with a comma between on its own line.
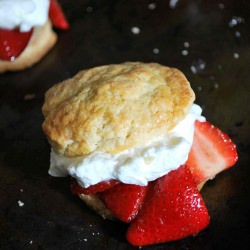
x=115, y=107
x=42, y=40
x=97, y=205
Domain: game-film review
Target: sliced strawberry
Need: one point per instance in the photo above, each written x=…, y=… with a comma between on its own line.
x=93, y=189
x=57, y=16
x=12, y=43
x=212, y=152
x=173, y=209
x=124, y=200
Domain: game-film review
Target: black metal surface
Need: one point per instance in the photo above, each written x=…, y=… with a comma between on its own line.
x=100, y=33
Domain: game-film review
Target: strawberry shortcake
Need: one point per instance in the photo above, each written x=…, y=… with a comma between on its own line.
x=26, y=33
x=137, y=148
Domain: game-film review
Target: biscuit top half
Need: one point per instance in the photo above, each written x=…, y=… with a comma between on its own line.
x=115, y=107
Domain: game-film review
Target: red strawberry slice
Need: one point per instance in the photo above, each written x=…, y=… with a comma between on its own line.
x=212, y=152
x=173, y=209
x=57, y=16
x=93, y=189
x=124, y=200
x=12, y=43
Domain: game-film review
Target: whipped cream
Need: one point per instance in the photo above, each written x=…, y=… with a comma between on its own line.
x=23, y=13
x=135, y=165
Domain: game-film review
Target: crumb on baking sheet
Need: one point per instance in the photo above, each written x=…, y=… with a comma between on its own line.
x=173, y=3
x=198, y=66
x=212, y=77
x=156, y=51
x=237, y=33
x=28, y=97
x=216, y=85
x=236, y=55
x=236, y=20
x=20, y=203
x=221, y=6
x=186, y=44
x=152, y=6
x=135, y=30
x=89, y=9
x=199, y=88
x=184, y=52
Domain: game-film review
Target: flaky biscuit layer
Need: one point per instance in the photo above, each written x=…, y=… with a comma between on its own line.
x=115, y=107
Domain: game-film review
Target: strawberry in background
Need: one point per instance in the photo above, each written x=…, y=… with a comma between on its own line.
x=13, y=41
x=57, y=16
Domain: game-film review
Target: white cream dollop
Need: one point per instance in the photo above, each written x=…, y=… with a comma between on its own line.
x=135, y=165
x=23, y=13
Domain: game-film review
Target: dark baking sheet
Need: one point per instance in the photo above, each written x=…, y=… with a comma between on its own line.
x=217, y=65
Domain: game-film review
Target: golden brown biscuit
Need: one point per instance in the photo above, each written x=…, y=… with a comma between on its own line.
x=42, y=40
x=115, y=107
x=94, y=202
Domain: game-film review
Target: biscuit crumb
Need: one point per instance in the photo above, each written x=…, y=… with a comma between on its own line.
x=216, y=85
x=199, y=88
x=152, y=6
x=198, y=66
x=89, y=9
x=236, y=55
x=236, y=20
x=173, y=3
x=156, y=51
x=28, y=97
x=237, y=34
x=20, y=203
x=135, y=30
x=184, y=52
x=186, y=44
x=221, y=6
